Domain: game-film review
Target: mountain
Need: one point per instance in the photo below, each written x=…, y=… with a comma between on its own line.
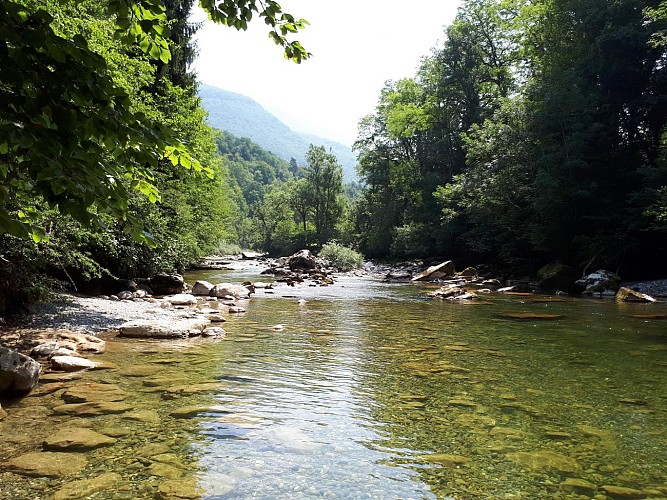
x=244, y=117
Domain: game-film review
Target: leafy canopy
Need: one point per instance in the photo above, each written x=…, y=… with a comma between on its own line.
x=70, y=134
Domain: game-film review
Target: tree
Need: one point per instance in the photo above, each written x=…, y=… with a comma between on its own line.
x=324, y=185
x=70, y=135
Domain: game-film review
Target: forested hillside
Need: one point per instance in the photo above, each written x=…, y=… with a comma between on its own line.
x=535, y=132
x=244, y=117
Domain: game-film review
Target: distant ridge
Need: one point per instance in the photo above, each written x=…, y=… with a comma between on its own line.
x=244, y=117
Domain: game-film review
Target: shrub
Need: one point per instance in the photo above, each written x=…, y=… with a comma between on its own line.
x=340, y=257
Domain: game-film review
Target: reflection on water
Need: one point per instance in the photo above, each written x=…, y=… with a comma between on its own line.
x=371, y=391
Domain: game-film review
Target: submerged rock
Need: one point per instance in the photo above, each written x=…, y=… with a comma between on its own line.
x=92, y=408
x=580, y=486
x=18, y=373
x=545, y=461
x=86, y=487
x=77, y=439
x=46, y=464
x=622, y=492
x=87, y=392
x=175, y=489
x=446, y=459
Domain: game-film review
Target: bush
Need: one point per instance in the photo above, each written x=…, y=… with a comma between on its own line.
x=340, y=257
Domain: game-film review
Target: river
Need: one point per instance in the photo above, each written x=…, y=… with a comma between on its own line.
x=372, y=390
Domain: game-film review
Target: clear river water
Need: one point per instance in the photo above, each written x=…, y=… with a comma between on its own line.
x=372, y=390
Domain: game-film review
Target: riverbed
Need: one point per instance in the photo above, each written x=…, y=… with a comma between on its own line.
x=367, y=389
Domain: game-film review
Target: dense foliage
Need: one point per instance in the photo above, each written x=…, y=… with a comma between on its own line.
x=281, y=206
x=536, y=132
x=105, y=157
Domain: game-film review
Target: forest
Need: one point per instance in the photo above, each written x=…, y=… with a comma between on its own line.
x=535, y=132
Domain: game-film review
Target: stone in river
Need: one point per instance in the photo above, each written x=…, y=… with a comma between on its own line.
x=462, y=402
x=92, y=409
x=545, y=461
x=152, y=449
x=165, y=470
x=177, y=489
x=622, y=492
x=71, y=363
x=147, y=416
x=87, y=392
x=446, y=459
x=84, y=488
x=77, y=439
x=163, y=329
x=581, y=486
x=46, y=464
x=188, y=411
x=182, y=299
x=202, y=287
x=18, y=373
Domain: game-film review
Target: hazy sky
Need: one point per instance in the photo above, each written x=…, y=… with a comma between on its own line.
x=357, y=45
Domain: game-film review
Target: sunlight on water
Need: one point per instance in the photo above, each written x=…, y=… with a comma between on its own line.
x=371, y=390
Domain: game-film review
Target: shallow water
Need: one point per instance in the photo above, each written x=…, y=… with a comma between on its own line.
x=371, y=390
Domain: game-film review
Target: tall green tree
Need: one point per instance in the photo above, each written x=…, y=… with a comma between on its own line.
x=324, y=186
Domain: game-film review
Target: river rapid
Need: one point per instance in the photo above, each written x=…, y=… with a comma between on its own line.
x=372, y=390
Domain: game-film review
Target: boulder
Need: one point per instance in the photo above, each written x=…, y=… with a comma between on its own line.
x=163, y=329
x=557, y=276
x=629, y=295
x=18, y=373
x=303, y=259
x=436, y=272
x=469, y=272
x=167, y=284
x=223, y=290
x=125, y=295
x=600, y=283
x=202, y=288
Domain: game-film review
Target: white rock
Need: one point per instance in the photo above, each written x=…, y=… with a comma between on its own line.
x=224, y=290
x=164, y=329
x=71, y=363
x=182, y=299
